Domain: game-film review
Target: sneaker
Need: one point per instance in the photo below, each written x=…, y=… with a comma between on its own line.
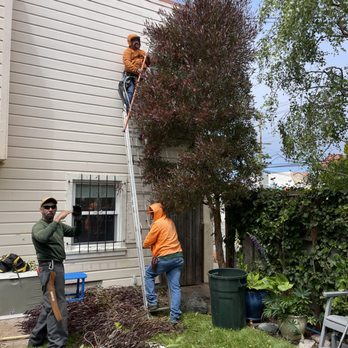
x=153, y=307
x=31, y=345
x=177, y=325
x=174, y=322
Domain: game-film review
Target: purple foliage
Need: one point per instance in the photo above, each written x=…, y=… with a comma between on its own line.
x=257, y=244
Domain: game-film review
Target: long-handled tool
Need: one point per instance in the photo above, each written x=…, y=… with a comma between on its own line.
x=13, y=338
x=134, y=94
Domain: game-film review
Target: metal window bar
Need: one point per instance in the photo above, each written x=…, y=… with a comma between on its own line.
x=106, y=209
x=99, y=210
x=89, y=211
x=78, y=238
x=80, y=203
x=116, y=208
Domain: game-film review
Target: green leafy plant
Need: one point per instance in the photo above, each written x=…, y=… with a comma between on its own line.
x=279, y=283
x=302, y=233
x=256, y=282
x=276, y=284
x=282, y=304
x=340, y=304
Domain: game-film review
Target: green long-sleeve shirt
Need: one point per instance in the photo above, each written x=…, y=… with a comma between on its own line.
x=48, y=239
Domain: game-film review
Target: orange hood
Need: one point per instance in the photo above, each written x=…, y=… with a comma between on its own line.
x=130, y=37
x=157, y=210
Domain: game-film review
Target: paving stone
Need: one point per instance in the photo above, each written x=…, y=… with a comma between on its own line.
x=270, y=328
x=307, y=344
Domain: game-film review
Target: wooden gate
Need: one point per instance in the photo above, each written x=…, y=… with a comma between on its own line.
x=191, y=233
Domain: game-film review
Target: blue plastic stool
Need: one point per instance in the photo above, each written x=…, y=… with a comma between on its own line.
x=80, y=279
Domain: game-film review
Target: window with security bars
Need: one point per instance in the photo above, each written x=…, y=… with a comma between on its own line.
x=99, y=201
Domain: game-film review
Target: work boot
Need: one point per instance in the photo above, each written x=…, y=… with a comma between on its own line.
x=152, y=307
x=177, y=325
x=174, y=322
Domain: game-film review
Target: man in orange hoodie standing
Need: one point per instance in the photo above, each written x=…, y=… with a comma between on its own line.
x=163, y=241
x=133, y=58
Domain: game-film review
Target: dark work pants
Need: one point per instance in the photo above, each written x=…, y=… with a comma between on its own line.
x=47, y=326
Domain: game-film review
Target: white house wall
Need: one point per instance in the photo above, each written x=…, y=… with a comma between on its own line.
x=65, y=115
x=5, y=49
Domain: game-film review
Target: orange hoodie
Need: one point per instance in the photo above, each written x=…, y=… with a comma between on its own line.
x=132, y=58
x=162, y=237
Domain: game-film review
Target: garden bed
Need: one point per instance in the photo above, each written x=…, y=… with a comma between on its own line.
x=115, y=317
x=109, y=318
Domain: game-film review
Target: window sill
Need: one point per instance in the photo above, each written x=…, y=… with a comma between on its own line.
x=84, y=254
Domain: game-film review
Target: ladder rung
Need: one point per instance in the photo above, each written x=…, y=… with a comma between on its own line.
x=145, y=192
x=134, y=131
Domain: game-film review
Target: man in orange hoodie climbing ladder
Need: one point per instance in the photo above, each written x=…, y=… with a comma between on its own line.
x=167, y=254
x=133, y=58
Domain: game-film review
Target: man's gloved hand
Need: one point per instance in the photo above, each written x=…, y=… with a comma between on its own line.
x=77, y=213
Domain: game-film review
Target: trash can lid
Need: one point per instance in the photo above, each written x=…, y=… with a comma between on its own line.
x=227, y=273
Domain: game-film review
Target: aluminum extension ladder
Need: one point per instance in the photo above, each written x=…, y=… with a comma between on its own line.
x=135, y=208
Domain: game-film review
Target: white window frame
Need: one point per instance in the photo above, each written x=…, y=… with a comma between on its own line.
x=72, y=248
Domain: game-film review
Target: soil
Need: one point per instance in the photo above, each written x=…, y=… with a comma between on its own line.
x=12, y=328
x=21, y=326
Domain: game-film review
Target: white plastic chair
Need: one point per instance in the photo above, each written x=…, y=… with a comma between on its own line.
x=337, y=323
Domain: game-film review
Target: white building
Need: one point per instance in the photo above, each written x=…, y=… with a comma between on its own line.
x=284, y=179
x=61, y=132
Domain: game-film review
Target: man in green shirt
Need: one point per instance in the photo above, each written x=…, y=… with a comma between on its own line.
x=48, y=239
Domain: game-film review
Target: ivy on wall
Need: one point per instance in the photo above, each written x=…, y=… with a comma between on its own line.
x=303, y=233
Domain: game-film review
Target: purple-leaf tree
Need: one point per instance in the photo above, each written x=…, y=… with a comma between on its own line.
x=197, y=100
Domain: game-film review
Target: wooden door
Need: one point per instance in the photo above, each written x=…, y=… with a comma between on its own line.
x=191, y=233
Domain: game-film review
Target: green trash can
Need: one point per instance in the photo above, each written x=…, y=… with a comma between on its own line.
x=227, y=296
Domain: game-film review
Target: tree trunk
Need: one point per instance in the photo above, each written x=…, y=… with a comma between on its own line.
x=230, y=235
x=215, y=207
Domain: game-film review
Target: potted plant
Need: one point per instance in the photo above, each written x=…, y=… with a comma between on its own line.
x=254, y=296
x=257, y=287
x=290, y=308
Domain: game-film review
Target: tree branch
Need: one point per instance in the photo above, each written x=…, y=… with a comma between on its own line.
x=336, y=4
x=343, y=27
x=341, y=24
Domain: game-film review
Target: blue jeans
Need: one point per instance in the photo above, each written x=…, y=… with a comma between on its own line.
x=172, y=268
x=130, y=92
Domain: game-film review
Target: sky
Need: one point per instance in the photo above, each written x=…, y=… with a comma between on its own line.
x=270, y=137
x=271, y=142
